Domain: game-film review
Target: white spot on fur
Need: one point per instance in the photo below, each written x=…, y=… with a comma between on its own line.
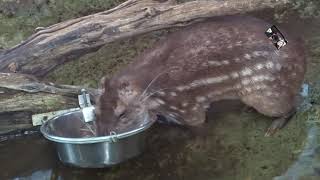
x=216, y=79
x=161, y=93
x=257, y=78
x=182, y=111
x=260, y=53
x=256, y=53
x=160, y=101
x=245, y=81
x=268, y=93
x=225, y=62
x=229, y=47
x=154, y=104
x=259, y=87
x=237, y=59
x=269, y=78
x=203, y=82
x=246, y=72
x=262, y=78
x=172, y=115
x=247, y=56
x=238, y=43
x=173, y=93
x=258, y=66
x=181, y=88
x=195, y=108
x=200, y=99
x=234, y=75
x=215, y=63
x=173, y=107
x=269, y=65
x=206, y=106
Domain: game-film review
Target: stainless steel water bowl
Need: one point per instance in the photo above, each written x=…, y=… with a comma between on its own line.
x=91, y=152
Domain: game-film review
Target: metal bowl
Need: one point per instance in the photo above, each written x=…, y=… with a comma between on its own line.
x=91, y=152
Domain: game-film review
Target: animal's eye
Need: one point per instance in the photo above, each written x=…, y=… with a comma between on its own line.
x=122, y=114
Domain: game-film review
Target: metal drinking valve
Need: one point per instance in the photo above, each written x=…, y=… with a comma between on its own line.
x=86, y=106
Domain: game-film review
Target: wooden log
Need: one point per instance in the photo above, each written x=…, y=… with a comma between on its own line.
x=10, y=121
x=39, y=102
x=20, y=92
x=22, y=95
x=54, y=45
x=30, y=84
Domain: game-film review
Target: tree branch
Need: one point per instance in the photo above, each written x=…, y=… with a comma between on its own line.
x=71, y=39
x=30, y=84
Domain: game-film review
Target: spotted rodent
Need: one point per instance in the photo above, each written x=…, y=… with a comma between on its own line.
x=226, y=57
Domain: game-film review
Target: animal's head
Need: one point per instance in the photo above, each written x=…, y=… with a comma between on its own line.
x=120, y=107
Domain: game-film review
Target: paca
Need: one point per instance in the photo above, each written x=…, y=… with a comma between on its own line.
x=226, y=57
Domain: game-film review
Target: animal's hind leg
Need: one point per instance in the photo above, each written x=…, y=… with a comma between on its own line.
x=248, y=109
x=279, y=123
x=281, y=106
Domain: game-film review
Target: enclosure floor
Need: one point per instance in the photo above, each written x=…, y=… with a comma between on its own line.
x=232, y=145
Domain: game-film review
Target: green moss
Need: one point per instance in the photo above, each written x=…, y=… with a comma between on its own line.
x=18, y=19
x=307, y=8
x=89, y=69
x=237, y=143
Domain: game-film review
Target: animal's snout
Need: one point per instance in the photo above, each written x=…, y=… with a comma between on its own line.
x=105, y=123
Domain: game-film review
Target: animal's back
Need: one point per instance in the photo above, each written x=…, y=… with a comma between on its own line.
x=221, y=45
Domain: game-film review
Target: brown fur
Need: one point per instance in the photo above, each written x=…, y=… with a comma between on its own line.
x=224, y=58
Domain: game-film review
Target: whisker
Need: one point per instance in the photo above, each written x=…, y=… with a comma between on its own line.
x=146, y=97
x=153, y=80
x=89, y=129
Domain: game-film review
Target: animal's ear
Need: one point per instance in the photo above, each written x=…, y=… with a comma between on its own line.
x=104, y=82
